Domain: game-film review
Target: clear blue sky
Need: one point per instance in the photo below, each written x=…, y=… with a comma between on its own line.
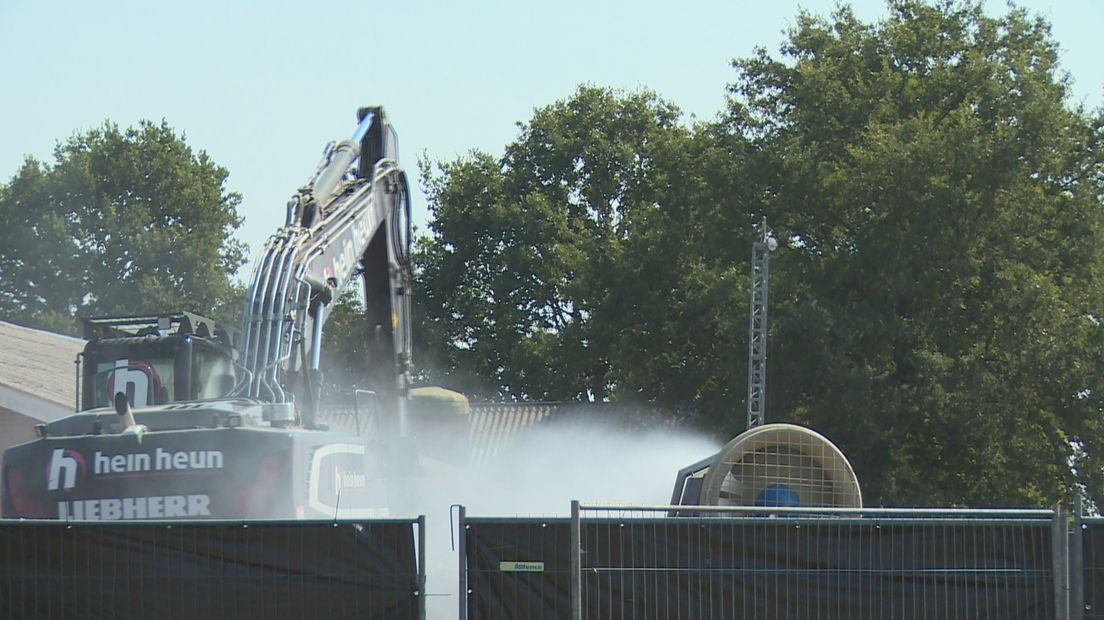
x=263, y=85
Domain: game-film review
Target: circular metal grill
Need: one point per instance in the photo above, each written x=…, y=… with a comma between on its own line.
x=781, y=465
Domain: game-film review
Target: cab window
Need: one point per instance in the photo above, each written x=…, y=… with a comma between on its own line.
x=147, y=381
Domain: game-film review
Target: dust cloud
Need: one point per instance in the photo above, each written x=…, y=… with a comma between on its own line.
x=536, y=473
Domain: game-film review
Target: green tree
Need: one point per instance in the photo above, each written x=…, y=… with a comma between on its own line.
x=542, y=277
x=938, y=299
x=936, y=303
x=123, y=221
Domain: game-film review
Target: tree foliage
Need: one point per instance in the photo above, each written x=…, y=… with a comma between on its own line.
x=543, y=277
x=940, y=303
x=936, y=300
x=603, y=257
x=123, y=221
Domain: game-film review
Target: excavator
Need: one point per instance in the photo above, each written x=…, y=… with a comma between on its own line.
x=181, y=417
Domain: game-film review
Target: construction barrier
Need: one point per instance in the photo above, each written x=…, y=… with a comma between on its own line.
x=264, y=569
x=1091, y=532
x=619, y=562
x=602, y=562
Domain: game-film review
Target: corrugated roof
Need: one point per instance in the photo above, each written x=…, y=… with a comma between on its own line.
x=39, y=363
x=493, y=427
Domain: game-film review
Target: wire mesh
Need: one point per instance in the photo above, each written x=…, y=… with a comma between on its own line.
x=517, y=568
x=742, y=563
x=210, y=570
x=780, y=465
x=644, y=562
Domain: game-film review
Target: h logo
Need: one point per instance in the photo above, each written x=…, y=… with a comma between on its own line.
x=64, y=465
x=131, y=379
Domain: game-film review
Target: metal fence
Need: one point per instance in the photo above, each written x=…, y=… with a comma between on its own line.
x=644, y=562
x=1088, y=543
x=515, y=568
x=602, y=562
x=265, y=569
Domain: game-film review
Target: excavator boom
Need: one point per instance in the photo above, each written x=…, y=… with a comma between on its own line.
x=351, y=217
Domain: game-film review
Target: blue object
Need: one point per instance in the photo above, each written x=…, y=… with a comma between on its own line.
x=362, y=127
x=777, y=495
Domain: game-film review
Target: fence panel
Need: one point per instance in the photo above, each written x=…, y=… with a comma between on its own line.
x=209, y=570
x=518, y=568
x=1092, y=568
x=637, y=564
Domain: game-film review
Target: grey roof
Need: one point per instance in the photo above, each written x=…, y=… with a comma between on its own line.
x=496, y=425
x=493, y=427
x=38, y=363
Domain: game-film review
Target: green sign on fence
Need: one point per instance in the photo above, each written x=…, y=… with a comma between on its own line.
x=521, y=567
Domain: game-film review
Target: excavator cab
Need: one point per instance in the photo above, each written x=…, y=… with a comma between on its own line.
x=155, y=360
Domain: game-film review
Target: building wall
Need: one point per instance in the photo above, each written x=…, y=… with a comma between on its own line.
x=15, y=429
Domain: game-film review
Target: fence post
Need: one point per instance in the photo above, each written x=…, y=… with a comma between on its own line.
x=576, y=563
x=461, y=547
x=421, y=567
x=1059, y=542
x=1077, y=559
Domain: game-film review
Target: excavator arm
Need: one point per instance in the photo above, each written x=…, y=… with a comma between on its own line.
x=351, y=217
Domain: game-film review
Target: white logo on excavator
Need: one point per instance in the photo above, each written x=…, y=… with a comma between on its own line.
x=155, y=507
x=346, y=258
x=349, y=479
x=159, y=460
x=131, y=381
x=63, y=469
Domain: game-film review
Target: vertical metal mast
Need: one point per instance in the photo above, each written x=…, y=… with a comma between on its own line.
x=757, y=327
